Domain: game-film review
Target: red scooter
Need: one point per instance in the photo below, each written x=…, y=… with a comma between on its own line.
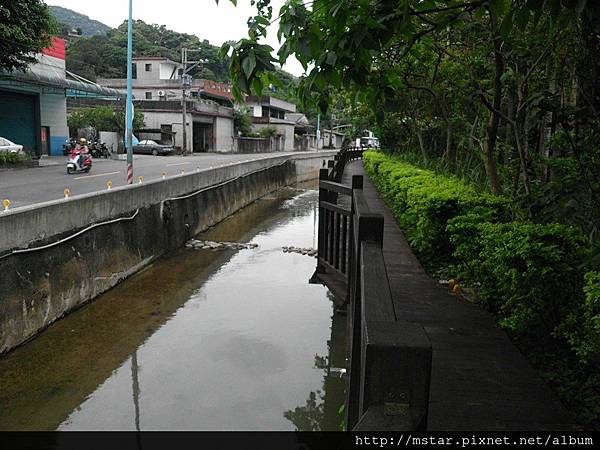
x=78, y=162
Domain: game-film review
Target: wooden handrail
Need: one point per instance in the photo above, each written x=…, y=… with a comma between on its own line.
x=390, y=360
x=336, y=187
x=336, y=208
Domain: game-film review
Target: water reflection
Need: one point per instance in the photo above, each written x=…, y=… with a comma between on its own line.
x=200, y=340
x=322, y=410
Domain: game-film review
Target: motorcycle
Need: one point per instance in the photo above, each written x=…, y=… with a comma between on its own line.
x=68, y=146
x=98, y=149
x=78, y=162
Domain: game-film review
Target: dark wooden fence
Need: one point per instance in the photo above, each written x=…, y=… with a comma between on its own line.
x=390, y=360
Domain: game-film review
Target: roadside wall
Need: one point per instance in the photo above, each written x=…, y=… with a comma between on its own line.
x=223, y=134
x=148, y=220
x=53, y=114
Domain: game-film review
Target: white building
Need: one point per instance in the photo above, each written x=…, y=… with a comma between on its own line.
x=158, y=92
x=272, y=112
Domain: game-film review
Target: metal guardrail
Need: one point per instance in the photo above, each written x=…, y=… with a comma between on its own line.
x=390, y=360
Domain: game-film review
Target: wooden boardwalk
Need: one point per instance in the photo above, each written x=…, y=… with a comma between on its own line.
x=479, y=379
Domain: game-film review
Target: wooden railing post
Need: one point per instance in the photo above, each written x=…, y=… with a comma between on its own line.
x=368, y=227
x=323, y=197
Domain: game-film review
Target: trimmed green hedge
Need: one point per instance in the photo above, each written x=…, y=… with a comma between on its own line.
x=12, y=158
x=528, y=274
x=424, y=202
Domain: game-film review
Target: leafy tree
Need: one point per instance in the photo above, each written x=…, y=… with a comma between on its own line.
x=25, y=29
x=103, y=118
x=503, y=93
x=242, y=123
x=267, y=132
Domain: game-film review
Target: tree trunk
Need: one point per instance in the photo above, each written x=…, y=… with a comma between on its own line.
x=421, y=143
x=521, y=131
x=489, y=146
x=545, y=130
x=450, y=150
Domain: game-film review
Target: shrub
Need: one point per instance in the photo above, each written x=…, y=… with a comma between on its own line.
x=12, y=158
x=424, y=202
x=582, y=327
x=526, y=273
x=267, y=132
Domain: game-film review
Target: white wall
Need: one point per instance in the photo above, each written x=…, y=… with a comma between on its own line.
x=111, y=139
x=256, y=110
x=166, y=69
x=286, y=130
x=156, y=119
x=141, y=73
x=224, y=134
x=53, y=114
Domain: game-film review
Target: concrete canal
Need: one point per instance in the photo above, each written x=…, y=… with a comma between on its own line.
x=200, y=340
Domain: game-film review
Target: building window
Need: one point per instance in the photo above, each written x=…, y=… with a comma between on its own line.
x=148, y=67
x=148, y=95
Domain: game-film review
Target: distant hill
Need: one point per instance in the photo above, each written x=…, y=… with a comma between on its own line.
x=101, y=51
x=75, y=20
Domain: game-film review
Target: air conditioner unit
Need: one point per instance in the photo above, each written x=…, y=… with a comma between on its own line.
x=161, y=93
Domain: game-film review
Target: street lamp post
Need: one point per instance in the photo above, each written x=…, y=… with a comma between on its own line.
x=129, y=107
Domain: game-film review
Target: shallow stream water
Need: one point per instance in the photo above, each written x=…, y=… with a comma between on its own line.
x=200, y=340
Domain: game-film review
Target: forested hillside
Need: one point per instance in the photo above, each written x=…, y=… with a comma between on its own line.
x=77, y=21
x=105, y=54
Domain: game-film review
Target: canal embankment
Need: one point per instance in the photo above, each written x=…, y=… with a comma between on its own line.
x=56, y=256
x=201, y=339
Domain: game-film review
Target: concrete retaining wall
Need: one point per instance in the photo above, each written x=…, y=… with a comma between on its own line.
x=147, y=221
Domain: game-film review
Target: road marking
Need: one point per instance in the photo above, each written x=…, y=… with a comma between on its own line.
x=98, y=175
x=178, y=164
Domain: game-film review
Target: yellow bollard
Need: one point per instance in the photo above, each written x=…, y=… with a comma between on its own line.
x=140, y=179
x=6, y=202
x=109, y=184
x=67, y=192
x=164, y=175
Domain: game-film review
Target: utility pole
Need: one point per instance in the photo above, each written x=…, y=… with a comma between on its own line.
x=129, y=107
x=186, y=82
x=183, y=99
x=318, y=129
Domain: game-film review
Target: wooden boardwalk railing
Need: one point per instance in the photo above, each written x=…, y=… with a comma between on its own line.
x=390, y=360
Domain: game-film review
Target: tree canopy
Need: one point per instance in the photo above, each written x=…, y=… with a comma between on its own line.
x=504, y=94
x=25, y=29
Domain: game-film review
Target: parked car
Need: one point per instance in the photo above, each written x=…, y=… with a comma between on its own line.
x=150, y=147
x=7, y=146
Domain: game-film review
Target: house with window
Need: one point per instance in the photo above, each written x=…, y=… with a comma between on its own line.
x=33, y=103
x=158, y=92
x=268, y=111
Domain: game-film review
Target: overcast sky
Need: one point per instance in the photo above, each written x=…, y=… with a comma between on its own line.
x=204, y=18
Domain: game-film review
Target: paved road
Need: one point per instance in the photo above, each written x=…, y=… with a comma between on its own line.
x=27, y=186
